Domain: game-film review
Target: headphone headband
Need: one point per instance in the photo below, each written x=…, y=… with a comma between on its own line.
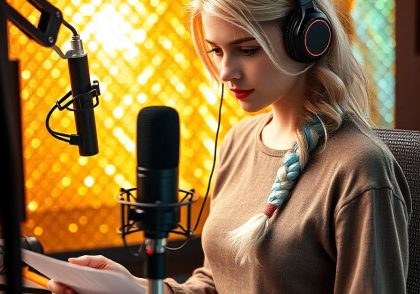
x=303, y=3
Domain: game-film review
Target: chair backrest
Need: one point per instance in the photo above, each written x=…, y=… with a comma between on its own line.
x=405, y=145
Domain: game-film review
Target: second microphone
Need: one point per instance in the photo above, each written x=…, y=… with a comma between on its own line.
x=157, y=169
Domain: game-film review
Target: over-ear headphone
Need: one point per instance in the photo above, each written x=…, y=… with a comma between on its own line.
x=307, y=33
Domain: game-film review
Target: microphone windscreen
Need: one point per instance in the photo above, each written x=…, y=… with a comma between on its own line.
x=158, y=137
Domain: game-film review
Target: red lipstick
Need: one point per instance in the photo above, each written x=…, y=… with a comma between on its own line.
x=241, y=94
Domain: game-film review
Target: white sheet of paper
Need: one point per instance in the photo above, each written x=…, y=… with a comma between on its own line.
x=84, y=280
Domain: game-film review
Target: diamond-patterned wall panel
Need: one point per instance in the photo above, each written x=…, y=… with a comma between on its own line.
x=142, y=55
x=375, y=47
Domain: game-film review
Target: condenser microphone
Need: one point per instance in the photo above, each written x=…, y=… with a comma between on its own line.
x=157, y=169
x=157, y=186
x=83, y=99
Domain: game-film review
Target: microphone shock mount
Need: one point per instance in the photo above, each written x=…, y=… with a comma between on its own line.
x=133, y=213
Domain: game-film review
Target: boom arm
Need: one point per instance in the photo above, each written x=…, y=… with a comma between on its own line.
x=49, y=24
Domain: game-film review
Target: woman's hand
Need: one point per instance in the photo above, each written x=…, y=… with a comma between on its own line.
x=98, y=262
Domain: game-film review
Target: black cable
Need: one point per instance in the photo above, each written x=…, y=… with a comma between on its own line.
x=214, y=161
x=55, y=134
x=135, y=254
x=208, y=184
x=72, y=29
x=184, y=232
x=180, y=246
x=73, y=139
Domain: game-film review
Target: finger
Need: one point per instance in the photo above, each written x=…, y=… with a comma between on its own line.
x=58, y=288
x=95, y=261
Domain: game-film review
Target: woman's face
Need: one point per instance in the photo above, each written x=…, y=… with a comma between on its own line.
x=246, y=69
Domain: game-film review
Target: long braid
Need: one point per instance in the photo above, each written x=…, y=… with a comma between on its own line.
x=249, y=236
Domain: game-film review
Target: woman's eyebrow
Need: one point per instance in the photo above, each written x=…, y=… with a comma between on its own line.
x=234, y=42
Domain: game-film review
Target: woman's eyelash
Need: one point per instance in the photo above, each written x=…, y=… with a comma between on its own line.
x=250, y=51
x=243, y=50
x=213, y=50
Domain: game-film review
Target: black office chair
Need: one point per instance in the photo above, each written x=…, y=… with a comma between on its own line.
x=405, y=145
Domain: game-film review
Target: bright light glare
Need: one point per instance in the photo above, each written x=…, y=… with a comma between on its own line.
x=114, y=33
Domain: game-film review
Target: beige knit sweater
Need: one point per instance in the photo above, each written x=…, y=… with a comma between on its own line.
x=343, y=230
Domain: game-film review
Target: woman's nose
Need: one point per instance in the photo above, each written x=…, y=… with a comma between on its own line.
x=229, y=69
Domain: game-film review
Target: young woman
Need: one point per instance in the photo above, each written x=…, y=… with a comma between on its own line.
x=307, y=198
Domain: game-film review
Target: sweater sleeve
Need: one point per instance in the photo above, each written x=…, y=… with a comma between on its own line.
x=201, y=282
x=371, y=233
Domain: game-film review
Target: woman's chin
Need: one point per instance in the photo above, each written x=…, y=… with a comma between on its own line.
x=251, y=108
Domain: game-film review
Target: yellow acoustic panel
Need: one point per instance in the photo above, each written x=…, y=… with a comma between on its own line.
x=142, y=55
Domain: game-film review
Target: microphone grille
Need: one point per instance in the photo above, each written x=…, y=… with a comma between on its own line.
x=158, y=137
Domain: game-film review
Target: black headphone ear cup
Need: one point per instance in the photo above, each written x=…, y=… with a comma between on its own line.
x=315, y=36
x=289, y=34
x=307, y=40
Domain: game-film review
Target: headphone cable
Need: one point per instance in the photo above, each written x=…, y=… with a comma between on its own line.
x=214, y=162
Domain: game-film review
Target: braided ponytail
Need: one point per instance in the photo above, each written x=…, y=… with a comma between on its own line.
x=250, y=235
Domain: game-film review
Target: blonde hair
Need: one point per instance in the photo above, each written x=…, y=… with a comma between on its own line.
x=338, y=84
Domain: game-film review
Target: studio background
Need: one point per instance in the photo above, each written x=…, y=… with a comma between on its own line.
x=141, y=53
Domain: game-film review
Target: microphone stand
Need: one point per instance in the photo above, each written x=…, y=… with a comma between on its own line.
x=12, y=200
x=155, y=243
x=133, y=212
x=155, y=264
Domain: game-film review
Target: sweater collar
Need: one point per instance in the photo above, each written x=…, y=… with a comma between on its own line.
x=260, y=145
